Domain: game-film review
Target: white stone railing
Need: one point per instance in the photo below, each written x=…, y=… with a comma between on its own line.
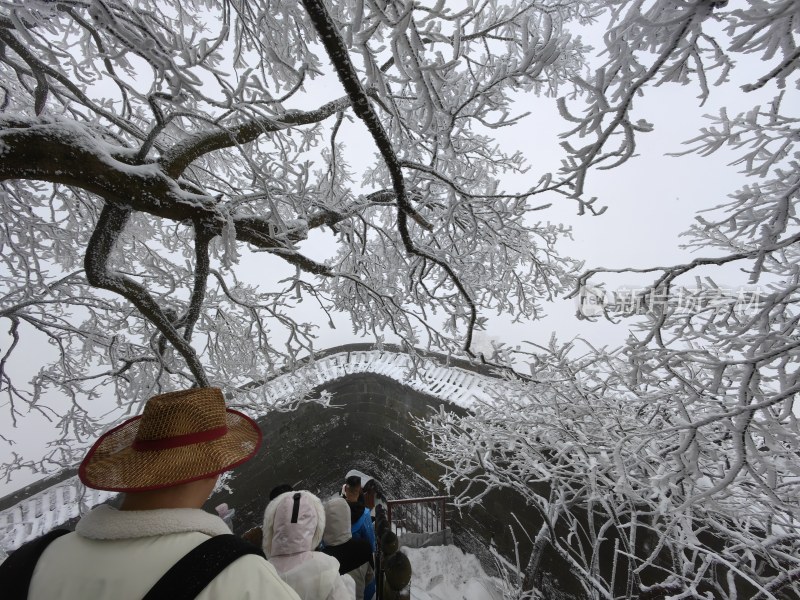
x=55, y=505
x=453, y=384
x=41, y=512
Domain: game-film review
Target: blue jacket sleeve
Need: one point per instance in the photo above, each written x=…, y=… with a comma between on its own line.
x=363, y=529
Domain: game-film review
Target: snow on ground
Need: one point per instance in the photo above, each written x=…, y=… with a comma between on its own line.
x=446, y=573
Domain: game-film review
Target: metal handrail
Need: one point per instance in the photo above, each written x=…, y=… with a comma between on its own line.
x=426, y=522
x=429, y=521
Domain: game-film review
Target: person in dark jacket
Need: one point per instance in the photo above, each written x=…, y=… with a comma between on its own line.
x=360, y=516
x=278, y=490
x=354, y=556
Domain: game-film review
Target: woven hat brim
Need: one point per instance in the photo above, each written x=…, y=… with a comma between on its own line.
x=113, y=465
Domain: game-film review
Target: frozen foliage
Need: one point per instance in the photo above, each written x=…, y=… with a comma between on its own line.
x=681, y=447
x=655, y=467
x=148, y=146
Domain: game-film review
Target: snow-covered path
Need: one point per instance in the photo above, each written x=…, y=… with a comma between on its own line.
x=446, y=573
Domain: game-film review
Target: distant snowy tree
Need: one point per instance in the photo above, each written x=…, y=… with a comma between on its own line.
x=683, y=446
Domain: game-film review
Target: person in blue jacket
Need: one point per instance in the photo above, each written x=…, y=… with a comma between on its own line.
x=360, y=516
x=360, y=520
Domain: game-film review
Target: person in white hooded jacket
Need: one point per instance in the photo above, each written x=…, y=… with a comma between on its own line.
x=354, y=556
x=293, y=526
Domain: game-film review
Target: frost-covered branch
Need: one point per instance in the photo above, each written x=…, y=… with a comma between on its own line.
x=676, y=453
x=337, y=51
x=107, y=231
x=175, y=160
x=185, y=150
x=60, y=152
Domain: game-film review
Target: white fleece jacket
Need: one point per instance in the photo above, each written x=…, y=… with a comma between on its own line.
x=119, y=555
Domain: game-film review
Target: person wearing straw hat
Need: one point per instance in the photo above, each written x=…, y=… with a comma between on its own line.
x=166, y=462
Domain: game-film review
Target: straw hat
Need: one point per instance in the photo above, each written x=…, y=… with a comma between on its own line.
x=180, y=437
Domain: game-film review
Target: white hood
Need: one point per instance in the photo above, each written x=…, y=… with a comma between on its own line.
x=337, y=522
x=284, y=536
x=365, y=479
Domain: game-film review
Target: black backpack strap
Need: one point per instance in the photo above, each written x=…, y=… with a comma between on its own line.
x=192, y=573
x=16, y=571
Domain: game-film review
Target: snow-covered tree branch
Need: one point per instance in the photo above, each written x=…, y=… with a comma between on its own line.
x=676, y=454
x=147, y=145
x=153, y=152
